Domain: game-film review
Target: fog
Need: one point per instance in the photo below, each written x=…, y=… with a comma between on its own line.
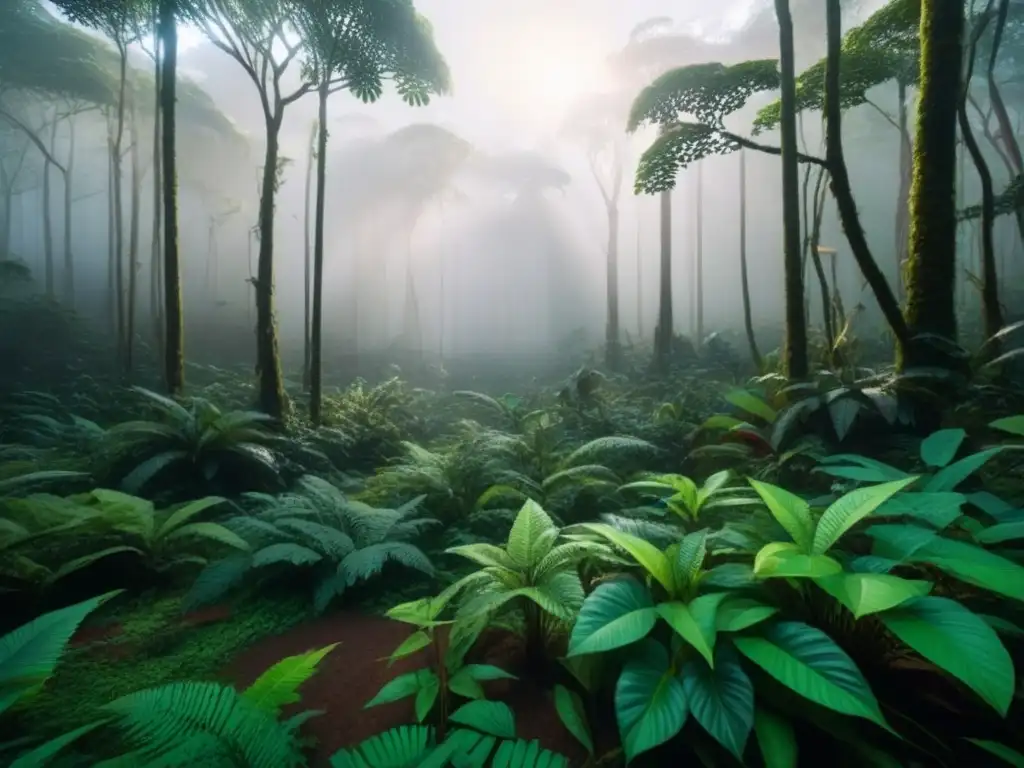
x=488, y=236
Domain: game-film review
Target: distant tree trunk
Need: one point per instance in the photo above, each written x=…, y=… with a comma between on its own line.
x=69, y=258
x=268, y=360
x=317, y=339
x=931, y=272
x=613, y=347
x=813, y=241
x=174, y=332
x=992, y=313
x=48, y=261
x=842, y=190
x=748, y=320
x=156, y=262
x=639, y=285
x=664, y=331
x=795, y=363
x=114, y=299
x=133, y=240
x=308, y=258
x=117, y=157
x=698, y=263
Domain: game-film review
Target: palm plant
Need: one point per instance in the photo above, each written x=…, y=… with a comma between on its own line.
x=191, y=446
x=339, y=540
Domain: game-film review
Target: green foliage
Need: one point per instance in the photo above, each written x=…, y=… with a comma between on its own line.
x=340, y=541
x=884, y=48
x=707, y=92
x=196, y=445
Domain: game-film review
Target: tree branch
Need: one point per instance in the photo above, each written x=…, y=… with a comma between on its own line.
x=746, y=143
x=33, y=138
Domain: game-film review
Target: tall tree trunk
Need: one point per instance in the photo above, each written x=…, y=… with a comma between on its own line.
x=992, y=313
x=156, y=288
x=639, y=284
x=308, y=256
x=133, y=240
x=1006, y=128
x=842, y=190
x=813, y=241
x=931, y=272
x=698, y=262
x=49, y=266
x=268, y=361
x=795, y=362
x=316, y=361
x=174, y=331
x=903, y=196
x=664, y=330
x=118, y=178
x=748, y=319
x=613, y=347
x=69, y=257
x=113, y=297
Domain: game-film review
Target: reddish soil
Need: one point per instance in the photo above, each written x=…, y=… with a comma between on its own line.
x=355, y=671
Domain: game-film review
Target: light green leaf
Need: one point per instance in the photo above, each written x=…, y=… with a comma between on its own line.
x=737, y=614
x=807, y=661
x=850, y=509
x=791, y=512
x=495, y=718
x=721, y=699
x=615, y=614
x=781, y=559
x=752, y=404
x=695, y=622
x=647, y=555
x=950, y=477
x=1014, y=425
x=530, y=538
x=867, y=593
x=402, y=687
x=650, y=702
x=958, y=641
x=1001, y=533
x=417, y=641
x=279, y=685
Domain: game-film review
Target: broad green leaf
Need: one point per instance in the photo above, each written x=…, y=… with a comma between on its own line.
x=874, y=471
x=1001, y=533
x=650, y=702
x=950, y=477
x=939, y=448
x=690, y=558
x=867, y=593
x=712, y=485
x=752, y=404
x=936, y=509
x=791, y=512
x=807, y=661
x=487, y=555
x=776, y=739
x=495, y=718
x=615, y=614
x=1003, y=752
x=647, y=555
x=721, y=699
x=430, y=689
x=466, y=680
x=185, y=513
x=530, y=537
x=695, y=622
x=280, y=684
x=573, y=716
x=417, y=641
x=850, y=509
x=781, y=559
x=402, y=687
x=958, y=641
x=737, y=614
x=974, y=565
x=1014, y=425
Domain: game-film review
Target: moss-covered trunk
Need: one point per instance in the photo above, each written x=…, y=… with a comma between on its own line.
x=268, y=359
x=794, y=357
x=174, y=355
x=931, y=268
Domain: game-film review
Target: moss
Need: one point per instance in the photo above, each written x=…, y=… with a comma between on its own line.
x=153, y=647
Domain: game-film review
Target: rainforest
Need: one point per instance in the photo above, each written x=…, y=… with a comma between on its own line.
x=512, y=384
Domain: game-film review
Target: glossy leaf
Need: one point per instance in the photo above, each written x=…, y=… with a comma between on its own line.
x=776, y=739
x=695, y=622
x=615, y=614
x=867, y=593
x=939, y=448
x=721, y=699
x=650, y=702
x=571, y=712
x=850, y=509
x=791, y=512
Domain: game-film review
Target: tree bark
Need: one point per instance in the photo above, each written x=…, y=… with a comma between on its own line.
x=613, y=347
x=49, y=266
x=316, y=361
x=308, y=260
x=133, y=240
x=931, y=272
x=842, y=190
x=69, y=258
x=748, y=320
x=174, y=354
x=795, y=361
